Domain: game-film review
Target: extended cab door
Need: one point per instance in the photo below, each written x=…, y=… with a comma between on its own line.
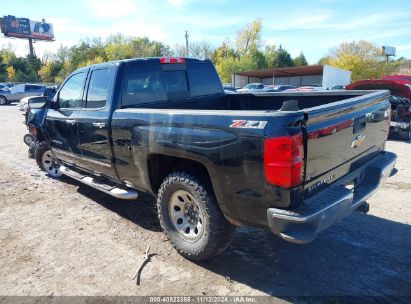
x=93, y=122
x=61, y=118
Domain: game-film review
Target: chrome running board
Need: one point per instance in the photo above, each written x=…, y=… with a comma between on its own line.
x=127, y=194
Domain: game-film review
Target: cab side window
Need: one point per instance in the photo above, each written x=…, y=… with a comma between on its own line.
x=71, y=94
x=152, y=84
x=98, y=89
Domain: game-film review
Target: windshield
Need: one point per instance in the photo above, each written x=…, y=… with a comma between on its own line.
x=250, y=86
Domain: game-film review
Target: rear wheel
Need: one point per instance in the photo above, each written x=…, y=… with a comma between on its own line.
x=46, y=161
x=191, y=218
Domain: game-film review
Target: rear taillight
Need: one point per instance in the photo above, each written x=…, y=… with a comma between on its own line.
x=172, y=60
x=283, y=160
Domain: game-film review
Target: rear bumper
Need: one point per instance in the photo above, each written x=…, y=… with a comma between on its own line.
x=331, y=204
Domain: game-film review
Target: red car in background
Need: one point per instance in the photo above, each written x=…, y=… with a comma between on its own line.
x=403, y=79
x=400, y=102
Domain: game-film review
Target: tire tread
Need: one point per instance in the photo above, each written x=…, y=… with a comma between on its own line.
x=220, y=231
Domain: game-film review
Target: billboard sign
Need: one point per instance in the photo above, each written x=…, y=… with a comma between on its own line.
x=26, y=28
x=388, y=50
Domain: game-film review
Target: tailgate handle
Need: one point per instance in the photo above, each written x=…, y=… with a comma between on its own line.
x=359, y=123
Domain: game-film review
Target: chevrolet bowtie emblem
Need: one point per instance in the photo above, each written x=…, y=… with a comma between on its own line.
x=358, y=141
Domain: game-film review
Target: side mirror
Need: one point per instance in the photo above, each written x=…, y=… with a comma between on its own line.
x=37, y=102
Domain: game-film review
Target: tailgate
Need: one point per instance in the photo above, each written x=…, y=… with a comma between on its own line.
x=341, y=136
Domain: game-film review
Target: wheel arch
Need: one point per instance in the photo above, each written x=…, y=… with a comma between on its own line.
x=161, y=165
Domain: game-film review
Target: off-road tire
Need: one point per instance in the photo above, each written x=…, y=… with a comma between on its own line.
x=217, y=231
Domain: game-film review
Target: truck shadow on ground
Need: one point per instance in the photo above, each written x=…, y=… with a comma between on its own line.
x=142, y=212
x=363, y=255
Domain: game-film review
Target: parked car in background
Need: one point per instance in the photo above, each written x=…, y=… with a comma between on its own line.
x=305, y=89
x=229, y=88
x=251, y=87
x=6, y=86
x=3, y=87
x=400, y=100
x=278, y=88
x=403, y=79
x=337, y=87
x=20, y=91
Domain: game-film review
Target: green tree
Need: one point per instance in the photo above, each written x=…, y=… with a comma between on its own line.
x=249, y=37
x=270, y=54
x=49, y=71
x=46, y=72
x=277, y=58
x=225, y=67
x=257, y=58
x=283, y=58
x=224, y=51
x=300, y=60
x=119, y=51
x=144, y=47
x=362, y=58
x=11, y=73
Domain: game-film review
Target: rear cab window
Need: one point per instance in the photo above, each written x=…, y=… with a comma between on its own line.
x=203, y=79
x=98, y=88
x=148, y=83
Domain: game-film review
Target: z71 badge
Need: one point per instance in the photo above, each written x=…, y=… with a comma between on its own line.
x=249, y=124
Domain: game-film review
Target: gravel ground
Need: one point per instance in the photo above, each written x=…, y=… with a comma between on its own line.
x=59, y=237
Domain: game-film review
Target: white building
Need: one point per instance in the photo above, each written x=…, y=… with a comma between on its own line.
x=321, y=75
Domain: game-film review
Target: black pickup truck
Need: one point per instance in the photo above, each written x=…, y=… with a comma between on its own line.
x=292, y=162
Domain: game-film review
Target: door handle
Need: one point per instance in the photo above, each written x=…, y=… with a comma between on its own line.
x=99, y=125
x=70, y=121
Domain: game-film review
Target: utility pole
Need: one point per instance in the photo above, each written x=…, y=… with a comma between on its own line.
x=31, y=47
x=186, y=36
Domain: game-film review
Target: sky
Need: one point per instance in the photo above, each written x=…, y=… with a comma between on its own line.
x=312, y=27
